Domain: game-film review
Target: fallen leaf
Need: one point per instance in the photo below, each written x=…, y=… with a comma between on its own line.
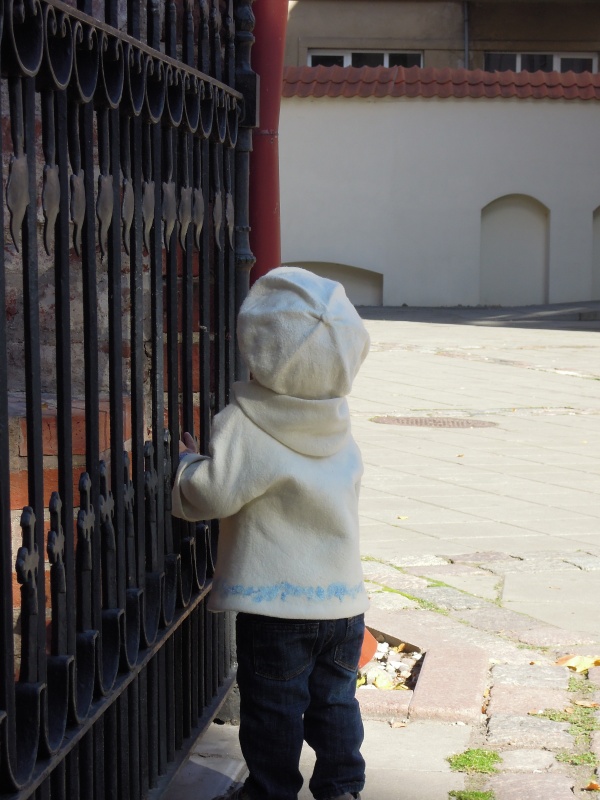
x=592, y=787
x=586, y=704
x=383, y=681
x=460, y=455
x=562, y=661
x=401, y=517
x=397, y=724
x=533, y=663
x=578, y=663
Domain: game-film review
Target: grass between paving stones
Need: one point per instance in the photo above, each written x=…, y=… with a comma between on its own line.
x=582, y=721
x=474, y=761
x=581, y=685
x=427, y=605
x=432, y=583
x=578, y=759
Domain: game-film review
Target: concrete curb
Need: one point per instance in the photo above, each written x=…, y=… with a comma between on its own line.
x=451, y=685
x=450, y=688
x=379, y=704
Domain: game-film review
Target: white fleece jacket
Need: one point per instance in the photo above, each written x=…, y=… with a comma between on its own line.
x=284, y=472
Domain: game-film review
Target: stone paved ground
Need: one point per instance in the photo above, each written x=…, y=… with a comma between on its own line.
x=481, y=547
x=488, y=539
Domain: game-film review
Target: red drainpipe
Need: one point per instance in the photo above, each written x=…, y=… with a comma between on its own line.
x=267, y=60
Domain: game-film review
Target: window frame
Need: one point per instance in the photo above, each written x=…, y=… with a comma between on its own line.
x=593, y=56
x=556, y=58
x=347, y=54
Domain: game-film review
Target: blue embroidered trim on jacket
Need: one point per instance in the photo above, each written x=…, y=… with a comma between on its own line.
x=283, y=590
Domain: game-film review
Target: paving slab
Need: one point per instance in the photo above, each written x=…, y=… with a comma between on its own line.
x=443, y=571
x=447, y=597
x=549, y=636
x=390, y=601
x=489, y=557
x=528, y=761
x=451, y=685
x=482, y=585
x=397, y=547
x=535, y=675
x=396, y=784
x=495, y=619
x=531, y=787
x=553, y=586
x=583, y=618
x=387, y=705
x=520, y=732
x=521, y=700
x=513, y=570
x=521, y=538
x=214, y=764
x=386, y=575
x=588, y=562
x=412, y=563
x=405, y=763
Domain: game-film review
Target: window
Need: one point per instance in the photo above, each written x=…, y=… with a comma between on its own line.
x=534, y=62
x=546, y=62
x=325, y=60
x=578, y=64
x=362, y=58
x=404, y=59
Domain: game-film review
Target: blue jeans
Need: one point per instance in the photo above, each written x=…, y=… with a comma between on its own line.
x=297, y=681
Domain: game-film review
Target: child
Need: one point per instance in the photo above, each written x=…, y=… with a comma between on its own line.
x=283, y=476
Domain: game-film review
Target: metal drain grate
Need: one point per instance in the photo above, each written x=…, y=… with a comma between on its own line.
x=435, y=422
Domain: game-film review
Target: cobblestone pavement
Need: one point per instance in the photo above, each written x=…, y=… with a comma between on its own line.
x=481, y=544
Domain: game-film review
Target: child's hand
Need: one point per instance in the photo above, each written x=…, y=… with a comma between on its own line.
x=187, y=446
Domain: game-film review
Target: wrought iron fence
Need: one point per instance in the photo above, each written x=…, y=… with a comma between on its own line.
x=126, y=130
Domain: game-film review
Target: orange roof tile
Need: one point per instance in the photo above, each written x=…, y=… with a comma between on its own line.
x=430, y=82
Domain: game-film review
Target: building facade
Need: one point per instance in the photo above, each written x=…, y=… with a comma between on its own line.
x=488, y=34
x=414, y=180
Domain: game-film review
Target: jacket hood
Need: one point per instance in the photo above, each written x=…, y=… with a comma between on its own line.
x=311, y=427
x=300, y=336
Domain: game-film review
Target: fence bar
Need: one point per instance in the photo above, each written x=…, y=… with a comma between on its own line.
x=7, y=698
x=33, y=386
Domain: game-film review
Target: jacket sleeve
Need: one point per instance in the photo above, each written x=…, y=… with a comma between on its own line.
x=218, y=485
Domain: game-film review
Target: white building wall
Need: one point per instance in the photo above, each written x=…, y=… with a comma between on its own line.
x=397, y=187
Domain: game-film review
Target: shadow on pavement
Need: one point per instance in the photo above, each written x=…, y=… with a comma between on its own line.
x=559, y=316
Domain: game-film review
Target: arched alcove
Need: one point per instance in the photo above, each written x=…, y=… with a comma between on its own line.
x=596, y=257
x=514, y=252
x=363, y=287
